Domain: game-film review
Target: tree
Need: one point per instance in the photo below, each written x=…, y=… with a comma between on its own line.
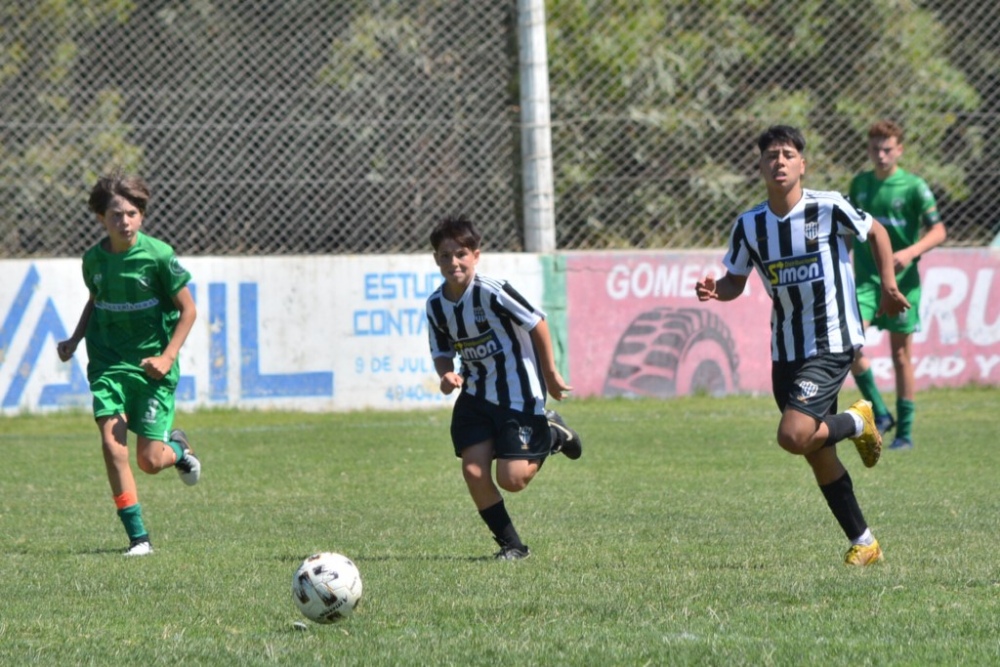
x=656, y=105
x=56, y=132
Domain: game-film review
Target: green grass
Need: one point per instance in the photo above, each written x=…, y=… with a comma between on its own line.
x=684, y=536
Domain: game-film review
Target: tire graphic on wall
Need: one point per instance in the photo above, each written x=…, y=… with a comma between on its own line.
x=673, y=352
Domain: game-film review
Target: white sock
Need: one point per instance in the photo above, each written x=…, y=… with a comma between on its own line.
x=866, y=538
x=859, y=424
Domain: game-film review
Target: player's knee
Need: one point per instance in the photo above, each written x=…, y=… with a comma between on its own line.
x=474, y=474
x=146, y=463
x=513, y=483
x=793, y=443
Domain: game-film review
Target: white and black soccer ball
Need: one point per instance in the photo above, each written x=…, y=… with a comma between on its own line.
x=327, y=587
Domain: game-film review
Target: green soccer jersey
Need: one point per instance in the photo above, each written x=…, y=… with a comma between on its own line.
x=903, y=204
x=134, y=313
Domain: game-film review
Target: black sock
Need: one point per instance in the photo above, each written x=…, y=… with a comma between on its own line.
x=844, y=505
x=500, y=525
x=841, y=426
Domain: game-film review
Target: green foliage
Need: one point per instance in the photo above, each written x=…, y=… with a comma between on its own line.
x=683, y=536
x=684, y=92
x=63, y=143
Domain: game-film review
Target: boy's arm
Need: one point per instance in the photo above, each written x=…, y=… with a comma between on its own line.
x=554, y=382
x=935, y=236
x=67, y=348
x=892, y=302
x=726, y=288
x=450, y=380
x=157, y=367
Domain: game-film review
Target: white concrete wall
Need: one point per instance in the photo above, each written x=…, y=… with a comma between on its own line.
x=310, y=333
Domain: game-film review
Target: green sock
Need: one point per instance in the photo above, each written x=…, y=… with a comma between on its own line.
x=905, y=414
x=131, y=517
x=178, y=450
x=866, y=385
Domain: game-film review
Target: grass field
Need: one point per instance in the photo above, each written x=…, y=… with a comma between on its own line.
x=684, y=536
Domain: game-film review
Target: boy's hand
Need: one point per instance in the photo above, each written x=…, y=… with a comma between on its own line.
x=556, y=385
x=65, y=349
x=705, y=289
x=157, y=367
x=892, y=302
x=450, y=382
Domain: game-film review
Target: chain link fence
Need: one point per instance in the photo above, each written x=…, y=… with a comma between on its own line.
x=309, y=126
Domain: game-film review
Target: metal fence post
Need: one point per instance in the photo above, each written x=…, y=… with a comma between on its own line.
x=536, y=129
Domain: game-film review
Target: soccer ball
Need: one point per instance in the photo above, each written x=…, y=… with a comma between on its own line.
x=327, y=587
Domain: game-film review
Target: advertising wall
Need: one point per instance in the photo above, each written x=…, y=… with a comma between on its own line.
x=346, y=333
x=636, y=327
x=304, y=333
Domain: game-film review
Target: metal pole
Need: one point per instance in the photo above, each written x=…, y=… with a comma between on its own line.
x=536, y=128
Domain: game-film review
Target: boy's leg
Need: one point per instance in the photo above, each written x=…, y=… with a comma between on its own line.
x=564, y=439
x=865, y=380
x=158, y=446
x=114, y=445
x=838, y=490
x=906, y=384
x=477, y=465
x=156, y=455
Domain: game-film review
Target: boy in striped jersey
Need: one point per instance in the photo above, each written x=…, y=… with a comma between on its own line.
x=507, y=370
x=904, y=204
x=138, y=316
x=796, y=241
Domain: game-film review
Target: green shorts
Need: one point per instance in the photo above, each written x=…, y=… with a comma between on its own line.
x=148, y=405
x=907, y=322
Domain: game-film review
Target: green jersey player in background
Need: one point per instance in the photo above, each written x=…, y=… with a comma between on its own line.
x=138, y=316
x=905, y=206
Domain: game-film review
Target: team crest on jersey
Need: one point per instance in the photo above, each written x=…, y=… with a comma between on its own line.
x=812, y=230
x=807, y=390
x=479, y=314
x=143, y=283
x=795, y=270
x=524, y=434
x=98, y=278
x=478, y=348
x=176, y=268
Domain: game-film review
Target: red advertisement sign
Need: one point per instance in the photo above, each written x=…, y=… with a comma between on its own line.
x=637, y=329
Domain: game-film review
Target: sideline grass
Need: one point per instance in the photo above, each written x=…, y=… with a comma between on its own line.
x=683, y=536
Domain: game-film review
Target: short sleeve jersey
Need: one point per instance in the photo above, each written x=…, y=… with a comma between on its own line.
x=489, y=329
x=805, y=266
x=903, y=203
x=134, y=315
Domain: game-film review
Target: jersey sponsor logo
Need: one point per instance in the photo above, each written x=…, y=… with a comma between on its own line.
x=126, y=307
x=478, y=348
x=795, y=270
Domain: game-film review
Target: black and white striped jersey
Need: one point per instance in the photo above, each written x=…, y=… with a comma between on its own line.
x=803, y=261
x=489, y=329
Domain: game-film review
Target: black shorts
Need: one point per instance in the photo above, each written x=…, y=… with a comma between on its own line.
x=811, y=386
x=515, y=435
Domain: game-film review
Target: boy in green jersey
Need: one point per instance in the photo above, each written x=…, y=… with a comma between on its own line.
x=905, y=206
x=138, y=316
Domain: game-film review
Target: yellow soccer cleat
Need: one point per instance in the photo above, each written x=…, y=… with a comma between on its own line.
x=869, y=443
x=863, y=554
